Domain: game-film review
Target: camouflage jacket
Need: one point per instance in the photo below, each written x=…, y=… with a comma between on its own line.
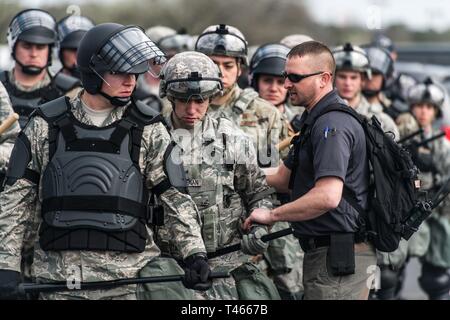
x=255, y=116
x=8, y=137
x=368, y=110
x=20, y=212
x=225, y=182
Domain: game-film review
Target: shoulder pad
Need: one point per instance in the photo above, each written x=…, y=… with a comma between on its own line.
x=245, y=98
x=54, y=108
x=146, y=115
x=65, y=82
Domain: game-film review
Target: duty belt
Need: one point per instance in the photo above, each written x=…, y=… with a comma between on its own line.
x=311, y=243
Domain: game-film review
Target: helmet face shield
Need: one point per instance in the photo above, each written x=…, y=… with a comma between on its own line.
x=269, y=52
x=72, y=24
x=426, y=93
x=191, y=88
x=22, y=25
x=351, y=60
x=177, y=42
x=228, y=44
x=131, y=51
x=380, y=61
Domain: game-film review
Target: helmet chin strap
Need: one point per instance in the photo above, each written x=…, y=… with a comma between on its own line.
x=30, y=70
x=370, y=93
x=116, y=101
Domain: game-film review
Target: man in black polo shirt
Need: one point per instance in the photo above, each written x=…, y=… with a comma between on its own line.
x=330, y=152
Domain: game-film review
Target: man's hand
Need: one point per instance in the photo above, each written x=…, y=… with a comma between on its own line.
x=197, y=272
x=261, y=216
x=251, y=242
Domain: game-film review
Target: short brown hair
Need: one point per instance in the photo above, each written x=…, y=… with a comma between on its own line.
x=315, y=48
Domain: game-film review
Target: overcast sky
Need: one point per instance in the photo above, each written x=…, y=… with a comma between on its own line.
x=416, y=14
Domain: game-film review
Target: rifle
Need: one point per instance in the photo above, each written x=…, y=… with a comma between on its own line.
x=423, y=210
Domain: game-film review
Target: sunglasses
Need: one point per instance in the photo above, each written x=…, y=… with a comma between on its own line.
x=293, y=77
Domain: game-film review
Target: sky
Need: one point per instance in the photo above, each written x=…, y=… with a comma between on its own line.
x=418, y=15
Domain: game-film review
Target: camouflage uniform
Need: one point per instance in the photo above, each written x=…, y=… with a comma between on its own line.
x=225, y=192
x=256, y=117
x=6, y=138
x=20, y=218
x=263, y=122
x=368, y=110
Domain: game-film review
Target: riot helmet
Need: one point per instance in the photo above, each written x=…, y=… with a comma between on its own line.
x=33, y=26
x=351, y=58
x=115, y=48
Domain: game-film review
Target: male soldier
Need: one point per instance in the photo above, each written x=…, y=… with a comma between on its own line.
x=331, y=150
x=266, y=77
x=31, y=37
x=8, y=137
x=433, y=160
x=352, y=70
x=71, y=30
x=222, y=171
x=82, y=170
x=227, y=47
x=396, y=89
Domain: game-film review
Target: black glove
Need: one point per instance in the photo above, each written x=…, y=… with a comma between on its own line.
x=9, y=285
x=197, y=272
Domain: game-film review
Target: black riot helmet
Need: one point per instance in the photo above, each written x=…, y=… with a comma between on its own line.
x=115, y=48
x=71, y=30
x=33, y=26
x=380, y=61
x=268, y=59
x=427, y=92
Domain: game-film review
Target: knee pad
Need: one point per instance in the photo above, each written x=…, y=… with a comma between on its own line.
x=435, y=281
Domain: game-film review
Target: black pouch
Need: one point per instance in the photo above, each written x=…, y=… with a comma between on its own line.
x=341, y=254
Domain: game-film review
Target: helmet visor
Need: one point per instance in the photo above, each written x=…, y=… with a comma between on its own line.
x=71, y=24
x=351, y=60
x=422, y=93
x=131, y=51
x=212, y=43
x=32, y=19
x=270, y=51
x=380, y=61
x=187, y=88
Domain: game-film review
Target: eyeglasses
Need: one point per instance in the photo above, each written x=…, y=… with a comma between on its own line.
x=293, y=77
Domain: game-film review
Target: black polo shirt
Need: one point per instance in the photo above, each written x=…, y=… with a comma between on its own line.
x=336, y=148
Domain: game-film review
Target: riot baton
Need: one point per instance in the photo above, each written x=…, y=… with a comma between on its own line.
x=25, y=288
x=9, y=121
x=410, y=136
x=237, y=246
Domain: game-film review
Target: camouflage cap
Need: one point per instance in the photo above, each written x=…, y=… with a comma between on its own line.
x=190, y=74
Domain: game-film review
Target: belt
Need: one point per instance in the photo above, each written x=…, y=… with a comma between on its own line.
x=311, y=243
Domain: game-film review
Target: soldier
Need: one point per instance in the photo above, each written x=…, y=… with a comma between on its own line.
x=7, y=137
x=31, y=37
x=71, y=30
x=82, y=173
x=352, y=70
x=266, y=77
x=227, y=47
x=396, y=88
x=426, y=100
x=223, y=177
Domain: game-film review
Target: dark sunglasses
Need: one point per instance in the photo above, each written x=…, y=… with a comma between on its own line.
x=293, y=77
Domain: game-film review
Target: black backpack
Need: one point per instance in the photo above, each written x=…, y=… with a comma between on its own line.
x=394, y=210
